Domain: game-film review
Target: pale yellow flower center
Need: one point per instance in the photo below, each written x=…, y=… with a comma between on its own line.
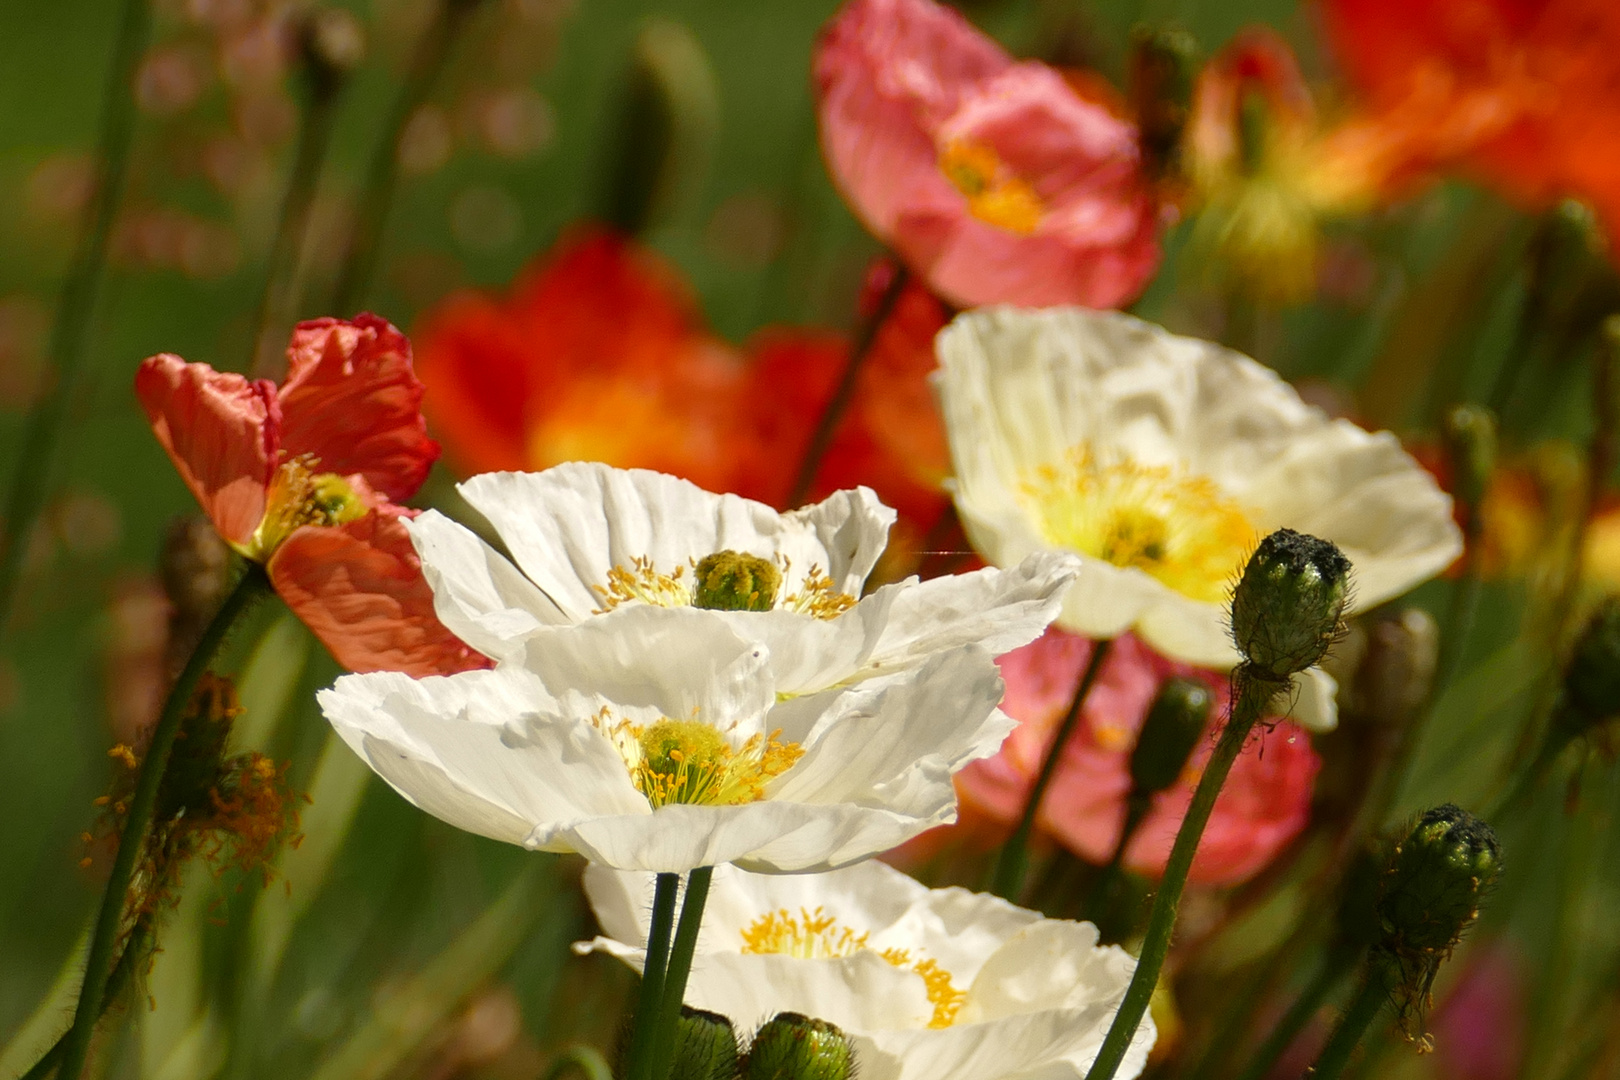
x=641, y=582
x=690, y=762
x=995, y=195
x=301, y=496
x=1179, y=528
x=815, y=935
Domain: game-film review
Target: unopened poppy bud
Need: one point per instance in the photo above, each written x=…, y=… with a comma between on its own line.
x=705, y=1047
x=1435, y=879
x=735, y=581
x=1288, y=607
x=792, y=1046
x=1470, y=432
x=1592, y=679
x=1162, y=65
x=1397, y=668
x=1174, y=724
x=333, y=44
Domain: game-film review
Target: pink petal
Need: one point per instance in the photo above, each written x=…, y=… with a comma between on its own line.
x=359, y=587
x=221, y=432
x=351, y=399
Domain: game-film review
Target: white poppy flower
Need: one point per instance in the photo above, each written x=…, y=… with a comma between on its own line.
x=930, y=984
x=658, y=739
x=588, y=539
x=1162, y=460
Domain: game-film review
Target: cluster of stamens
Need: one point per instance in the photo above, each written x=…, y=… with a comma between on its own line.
x=301, y=496
x=712, y=583
x=692, y=763
x=815, y=935
x=995, y=195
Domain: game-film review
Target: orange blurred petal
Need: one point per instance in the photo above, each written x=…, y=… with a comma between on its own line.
x=221, y=433
x=360, y=588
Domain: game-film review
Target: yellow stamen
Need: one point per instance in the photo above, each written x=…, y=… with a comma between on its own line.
x=1180, y=529
x=692, y=763
x=818, y=596
x=301, y=496
x=815, y=935
x=994, y=194
x=641, y=582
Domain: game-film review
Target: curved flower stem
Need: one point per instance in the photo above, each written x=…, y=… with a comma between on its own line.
x=1335, y=966
x=279, y=299
x=75, y=309
x=117, y=981
x=1013, y=861
x=680, y=966
x=377, y=195
x=1250, y=697
x=98, y=962
x=649, y=1004
x=1364, y=1009
x=844, y=394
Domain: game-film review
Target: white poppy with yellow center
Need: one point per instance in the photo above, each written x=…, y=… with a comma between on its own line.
x=1161, y=461
x=930, y=984
x=588, y=541
x=655, y=739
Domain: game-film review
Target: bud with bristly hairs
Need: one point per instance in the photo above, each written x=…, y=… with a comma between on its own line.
x=792, y=1046
x=1470, y=440
x=1288, y=608
x=705, y=1047
x=1430, y=895
x=1591, y=692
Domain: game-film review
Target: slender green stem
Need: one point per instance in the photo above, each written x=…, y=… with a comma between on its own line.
x=1335, y=966
x=1364, y=1009
x=585, y=1060
x=649, y=1004
x=1013, y=862
x=377, y=196
x=844, y=394
x=279, y=300
x=1098, y=906
x=1250, y=698
x=75, y=309
x=680, y=966
x=122, y=974
x=104, y=939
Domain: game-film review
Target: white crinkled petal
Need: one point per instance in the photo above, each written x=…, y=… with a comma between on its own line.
x=568, y=526
x=1053, y=1044
x=1314, y=705
x=481, y=750
x=477, y=593
x=682, y=662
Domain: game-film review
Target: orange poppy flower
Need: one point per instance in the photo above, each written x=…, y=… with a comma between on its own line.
x=598, y=353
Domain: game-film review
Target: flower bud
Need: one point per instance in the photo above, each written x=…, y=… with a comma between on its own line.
x=1435, y=879
x=1592, y=679
x=1174, y=724
x=792, y=1046
x=1397, y=668
x=1162, y=65
x=333, y=45
x=735, y=581
x=1470, y=433
x=1288, y=607
x=705, y=1047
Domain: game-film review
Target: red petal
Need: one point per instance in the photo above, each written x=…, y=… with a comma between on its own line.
x=221, y=433
x=352, y=400
x=359, y=587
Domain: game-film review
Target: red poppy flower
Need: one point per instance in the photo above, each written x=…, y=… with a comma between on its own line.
x=1264, y=804
x=302, y=478
x=598, y=353
x=1522, y=94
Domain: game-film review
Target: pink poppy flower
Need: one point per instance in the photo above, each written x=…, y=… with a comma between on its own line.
x=995, y=180
x=302, y=478
x=1264, y=805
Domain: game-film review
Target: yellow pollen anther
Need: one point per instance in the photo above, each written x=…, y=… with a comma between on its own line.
x=301, y=496
x=815, y=935
x=994, y=194
x=643, y=583
x=1177, y=528
x=690, y=762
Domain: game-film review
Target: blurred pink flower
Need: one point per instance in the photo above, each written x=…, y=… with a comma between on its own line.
x=1264, y=805
x=995, y=180
x=1479, y=1031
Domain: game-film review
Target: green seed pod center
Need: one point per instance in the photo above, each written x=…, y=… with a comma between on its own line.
x=735, y=581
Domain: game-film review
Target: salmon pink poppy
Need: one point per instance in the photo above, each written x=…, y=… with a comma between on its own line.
x=303, y=478
x=1264, y=804
x=997, y=181
x=1519, y=93
x=599, y=353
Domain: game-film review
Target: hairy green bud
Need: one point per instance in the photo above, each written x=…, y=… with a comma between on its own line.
x=792, y=1046
x=1592, y=679
x=1435, y=879
x=1174, y=724
x=1470, y=439
x=735, y=581
x=705, y=1047
x=1289, y=605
